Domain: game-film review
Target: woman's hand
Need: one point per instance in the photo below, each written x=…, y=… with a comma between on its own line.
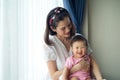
x=82, y=65
x=54, y=72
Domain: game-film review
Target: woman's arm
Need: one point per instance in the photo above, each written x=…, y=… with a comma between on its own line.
x=55, y=74
x=65, y=73
x=95, y=69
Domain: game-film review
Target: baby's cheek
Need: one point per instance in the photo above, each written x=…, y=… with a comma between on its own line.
x=83, y=51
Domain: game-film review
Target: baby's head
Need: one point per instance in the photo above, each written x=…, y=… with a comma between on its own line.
x=78, y=46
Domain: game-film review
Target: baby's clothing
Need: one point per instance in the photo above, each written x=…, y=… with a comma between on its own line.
x=81, y=74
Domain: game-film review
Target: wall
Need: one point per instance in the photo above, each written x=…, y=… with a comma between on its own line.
x=103, y=21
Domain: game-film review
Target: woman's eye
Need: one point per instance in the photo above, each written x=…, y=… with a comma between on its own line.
x=77, y=47
x=63, y=28
x=69, y=26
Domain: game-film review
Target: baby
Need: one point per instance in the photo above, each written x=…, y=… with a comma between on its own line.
x=79, y=47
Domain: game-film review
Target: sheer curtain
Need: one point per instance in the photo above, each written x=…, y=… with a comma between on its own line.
x=22, y=24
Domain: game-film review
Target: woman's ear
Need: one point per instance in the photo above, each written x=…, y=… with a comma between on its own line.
x=53, y=29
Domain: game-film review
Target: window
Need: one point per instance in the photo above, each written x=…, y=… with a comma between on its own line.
x=22, y=24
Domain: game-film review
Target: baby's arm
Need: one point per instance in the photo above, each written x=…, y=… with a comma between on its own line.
x=65, y=73
x=80, y=66
x=96, y=70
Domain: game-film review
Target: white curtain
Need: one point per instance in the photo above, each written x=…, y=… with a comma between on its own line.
x=22, y=24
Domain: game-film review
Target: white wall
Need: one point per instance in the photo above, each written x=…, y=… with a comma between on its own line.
x=104, y=35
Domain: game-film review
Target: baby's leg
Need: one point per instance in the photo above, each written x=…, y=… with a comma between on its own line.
x=74, y=78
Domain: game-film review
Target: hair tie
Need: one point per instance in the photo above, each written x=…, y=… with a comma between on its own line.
x=58, y=10
x=51, y=20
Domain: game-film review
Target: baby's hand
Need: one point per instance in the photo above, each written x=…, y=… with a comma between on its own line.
x=82, y=65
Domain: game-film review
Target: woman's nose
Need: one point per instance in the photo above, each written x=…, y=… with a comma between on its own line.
x=67, y=29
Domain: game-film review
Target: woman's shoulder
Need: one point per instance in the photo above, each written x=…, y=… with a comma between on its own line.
x=79, y=34
x=53, y=44
x=55, y=41
x=52, y=38
x=46, y=46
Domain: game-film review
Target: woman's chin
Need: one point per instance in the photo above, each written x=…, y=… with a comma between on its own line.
x=67, y=36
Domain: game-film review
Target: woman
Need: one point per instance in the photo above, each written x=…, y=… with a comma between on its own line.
x=59, y=30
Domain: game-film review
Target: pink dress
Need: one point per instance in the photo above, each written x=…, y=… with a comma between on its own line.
x=82, y=75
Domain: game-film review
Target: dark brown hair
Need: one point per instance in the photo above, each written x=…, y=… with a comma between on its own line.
x=54, y=16
x=78, y=38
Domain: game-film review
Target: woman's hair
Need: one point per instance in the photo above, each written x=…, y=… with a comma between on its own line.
x=53, y=18
x=78, y=38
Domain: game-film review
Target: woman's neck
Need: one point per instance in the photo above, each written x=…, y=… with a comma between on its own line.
x=65, y=41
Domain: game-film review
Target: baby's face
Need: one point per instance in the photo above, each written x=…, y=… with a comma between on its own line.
x=79, y=49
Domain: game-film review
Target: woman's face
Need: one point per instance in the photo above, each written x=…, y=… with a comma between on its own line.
x=63, y=28
x=79, y=49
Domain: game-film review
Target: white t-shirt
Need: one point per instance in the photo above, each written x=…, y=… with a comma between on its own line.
x=57, y=52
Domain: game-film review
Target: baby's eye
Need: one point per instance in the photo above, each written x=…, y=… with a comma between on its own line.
x=83, y=47
x=77, y=47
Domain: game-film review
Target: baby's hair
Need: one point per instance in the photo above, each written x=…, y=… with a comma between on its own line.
x=78, y=38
